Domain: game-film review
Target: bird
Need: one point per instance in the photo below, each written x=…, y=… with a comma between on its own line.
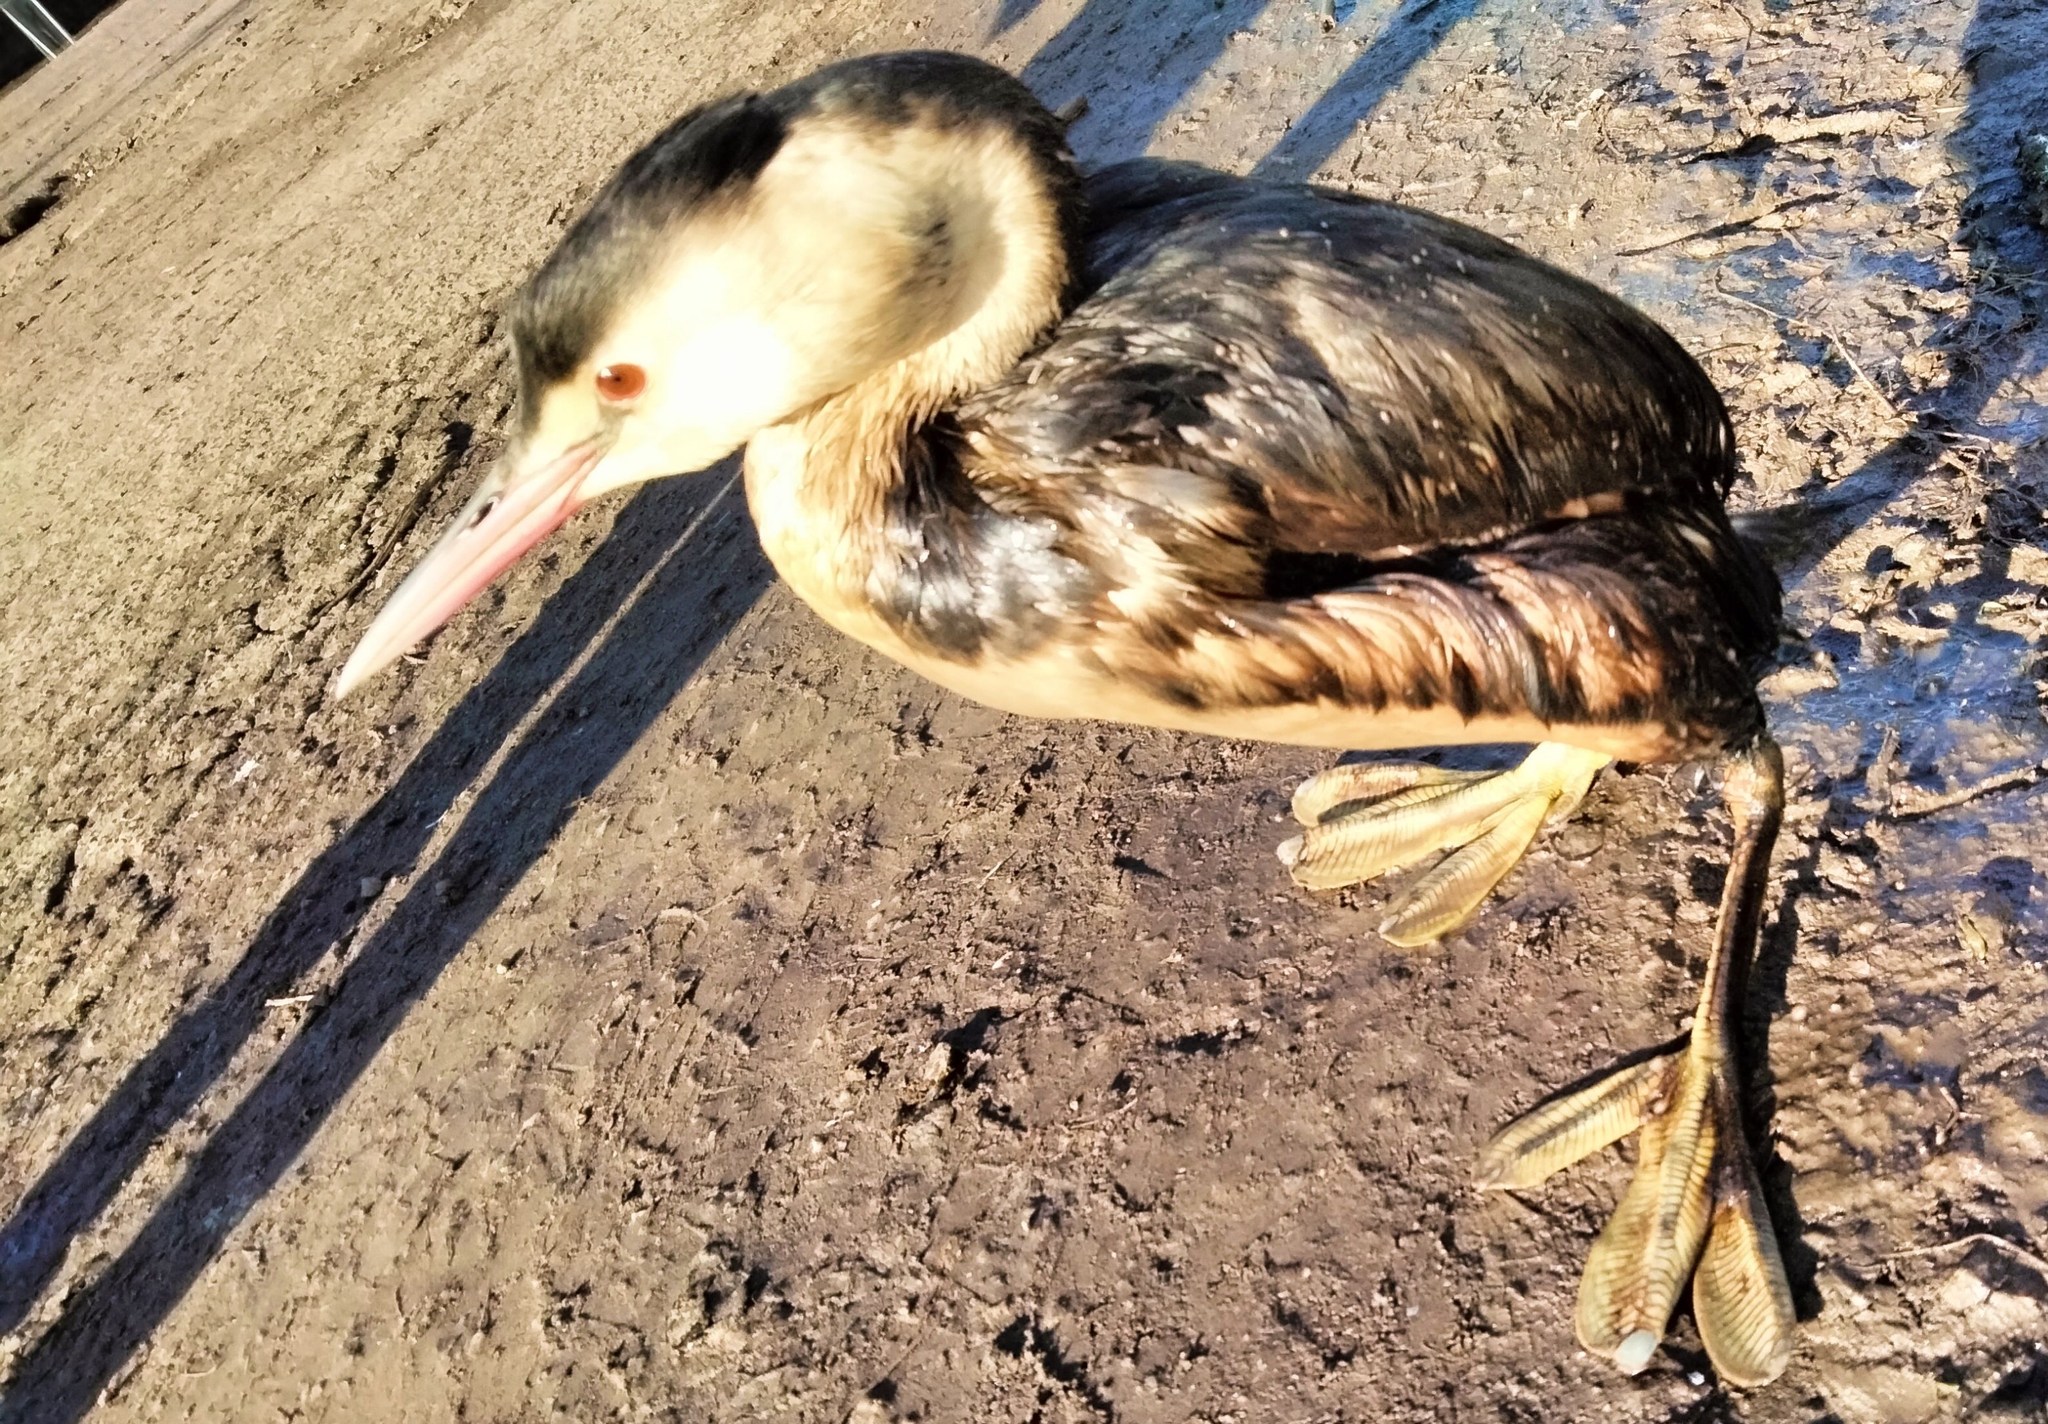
x=1160, y=445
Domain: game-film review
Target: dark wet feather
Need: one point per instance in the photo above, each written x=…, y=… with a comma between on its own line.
x=1391, y=459
x=1384, y=377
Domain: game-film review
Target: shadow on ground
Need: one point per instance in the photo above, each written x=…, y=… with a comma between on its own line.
x=685, y=608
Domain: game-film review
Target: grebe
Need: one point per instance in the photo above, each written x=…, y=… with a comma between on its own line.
x=1168, y=447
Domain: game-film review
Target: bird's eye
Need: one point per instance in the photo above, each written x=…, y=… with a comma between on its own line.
x=620, y=383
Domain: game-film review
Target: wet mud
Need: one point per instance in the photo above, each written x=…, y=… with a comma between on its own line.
x=650, y=1005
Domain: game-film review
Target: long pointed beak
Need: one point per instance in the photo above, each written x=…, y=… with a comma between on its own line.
x=513, y=510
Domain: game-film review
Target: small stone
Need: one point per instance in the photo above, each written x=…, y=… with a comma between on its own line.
x=1962, y=1290
x=1579, y=841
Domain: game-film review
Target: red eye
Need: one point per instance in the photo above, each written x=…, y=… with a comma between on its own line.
x=620, y=383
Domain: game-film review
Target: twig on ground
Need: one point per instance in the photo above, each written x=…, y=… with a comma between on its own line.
x=1975, y=1238
x=1776, y=133
x=414, y=509
x=1813, y=328
x=1731, y=226
x=1883, y=767
x=1907, y=804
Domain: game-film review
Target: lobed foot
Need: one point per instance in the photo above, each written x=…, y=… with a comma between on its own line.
x=1370, y=818
x=1694, y=1209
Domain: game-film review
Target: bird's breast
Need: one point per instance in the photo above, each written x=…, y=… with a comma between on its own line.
x=811, y=545
x=979, y=610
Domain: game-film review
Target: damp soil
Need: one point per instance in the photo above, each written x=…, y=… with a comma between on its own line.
x=648, y=1005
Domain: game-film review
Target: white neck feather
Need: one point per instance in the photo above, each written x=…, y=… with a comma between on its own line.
x=817, y=482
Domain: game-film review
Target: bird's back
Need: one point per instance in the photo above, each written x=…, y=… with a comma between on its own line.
x=1380, y=378
x=1293, y=462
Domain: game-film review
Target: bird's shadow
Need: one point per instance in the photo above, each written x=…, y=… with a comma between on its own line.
x=1409, y=36
x=691, y=592
x=1763, y=998
x=1406, y=37
x=1064, y=69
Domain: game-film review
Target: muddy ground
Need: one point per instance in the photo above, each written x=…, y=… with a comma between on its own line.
x=651, y=1006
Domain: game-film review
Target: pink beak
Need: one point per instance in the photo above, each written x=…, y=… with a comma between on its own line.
x=507, y=516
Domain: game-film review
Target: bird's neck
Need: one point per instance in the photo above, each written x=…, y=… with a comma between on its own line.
x=820, y=484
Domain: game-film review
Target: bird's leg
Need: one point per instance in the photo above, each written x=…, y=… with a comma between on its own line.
x=1367, y=819
x=1695, y=1207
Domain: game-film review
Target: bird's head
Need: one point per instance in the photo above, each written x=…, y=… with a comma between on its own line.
x=760, y=257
